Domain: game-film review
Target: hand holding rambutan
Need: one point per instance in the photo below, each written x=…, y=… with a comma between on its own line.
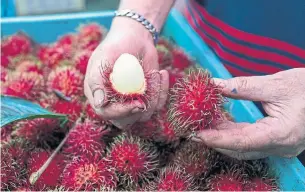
x=195, y=102
x=89, y=174
x=133, y=158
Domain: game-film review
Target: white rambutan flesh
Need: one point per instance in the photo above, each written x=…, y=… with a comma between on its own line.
x=127, y=76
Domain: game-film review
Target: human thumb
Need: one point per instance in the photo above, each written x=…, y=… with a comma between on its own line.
x=254, y=88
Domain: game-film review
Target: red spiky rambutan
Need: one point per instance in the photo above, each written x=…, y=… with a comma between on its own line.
x=166, y=43
x=8, y=171
x=261, y=184
x=164, y=56
x=52, y=56
x=85, y=139
x=133, y=158
x=173, y=179
x=71, y=108
x=51, y=176
x=146, y=130
x=194, y=103
x=230, y=179
x=81, y=61
x=27, y=63
x=6, y=132
x=15, y=44
x=90, y=114
x=66, y=80
x=91, y=46
x=128, y=83
x=68, y=43
x=13, y=168
x=24, y=85
x=88, y=174
x=174, y=75
x=166, y=133
x=90, y=32
x=4, y=75
x=39, y=131
x=195, y=158
x=260, y=176
x=157, y=128
x=4, y=61
x=180, y=59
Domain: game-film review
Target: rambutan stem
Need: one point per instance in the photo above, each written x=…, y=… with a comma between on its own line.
x=35, y=176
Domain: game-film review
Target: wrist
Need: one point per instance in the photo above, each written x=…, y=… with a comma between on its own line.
x=128, y=25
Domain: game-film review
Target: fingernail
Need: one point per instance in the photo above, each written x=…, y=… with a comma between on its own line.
x=219, y=82
x=99, y=98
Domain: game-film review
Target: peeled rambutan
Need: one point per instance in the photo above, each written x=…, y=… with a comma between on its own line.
x=40, y=131
x=66, y=80
x=133, y=158
x=195, y=102
x=24, y=85
x=128, y=82
x=51, y=176
x=173, y=179
x=88, y=174
x=15, y=44
x=230, y=179
x=180, y=59
x=71, y=108
x=164, y=56
x=85, y=140
x=81, y=61
x=90, y=32
x=195, y=158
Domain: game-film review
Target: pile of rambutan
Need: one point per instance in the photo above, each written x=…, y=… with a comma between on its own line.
x=88, y=153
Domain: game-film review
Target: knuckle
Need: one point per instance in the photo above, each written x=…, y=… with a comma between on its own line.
x=242, y=83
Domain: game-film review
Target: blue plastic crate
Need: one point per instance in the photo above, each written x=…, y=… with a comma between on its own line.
x=46, y=29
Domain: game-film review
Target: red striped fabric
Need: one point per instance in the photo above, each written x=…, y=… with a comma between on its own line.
x=255, y=39
x=216, y=40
